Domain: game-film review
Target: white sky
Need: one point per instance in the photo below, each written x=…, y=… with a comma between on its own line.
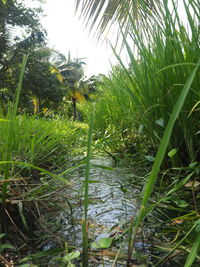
x=67, y=33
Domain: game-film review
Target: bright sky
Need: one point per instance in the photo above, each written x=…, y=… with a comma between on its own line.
x=67, y=33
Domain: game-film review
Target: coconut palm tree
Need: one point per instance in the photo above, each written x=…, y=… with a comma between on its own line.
x=72, y=72
x=100, y=15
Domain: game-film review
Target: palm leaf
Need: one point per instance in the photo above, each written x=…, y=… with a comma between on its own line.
x=100, y=15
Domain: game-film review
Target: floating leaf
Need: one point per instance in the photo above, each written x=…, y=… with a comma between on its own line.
x=172, y=152
x=150, y=158
x=103, y=243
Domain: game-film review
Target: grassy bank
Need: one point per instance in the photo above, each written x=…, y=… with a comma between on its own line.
x=137, y=101
x=36, y=153
x=146, y=111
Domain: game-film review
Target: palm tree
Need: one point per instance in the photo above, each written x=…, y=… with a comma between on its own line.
x=72, y=72
x=100, y=15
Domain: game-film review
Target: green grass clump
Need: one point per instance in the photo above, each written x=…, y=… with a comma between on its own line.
x=36, y=154
x=41, y=142
x=143, y=95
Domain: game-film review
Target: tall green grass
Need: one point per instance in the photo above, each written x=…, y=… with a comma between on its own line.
x=143, y=95
x=156, y=96
x=7, y=155
x=159, y=158
x=42, y=142
x=86, y=191
x=36, y=155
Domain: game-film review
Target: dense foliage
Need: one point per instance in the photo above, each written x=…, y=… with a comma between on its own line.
x=145, y=115
x=138, y=101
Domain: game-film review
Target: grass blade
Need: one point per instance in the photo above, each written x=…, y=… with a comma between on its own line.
x=86, y=191
x=194, y=252
x=9, y=142
x=160, y=155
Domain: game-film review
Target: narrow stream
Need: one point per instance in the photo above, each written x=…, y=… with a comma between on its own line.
x=113, y=200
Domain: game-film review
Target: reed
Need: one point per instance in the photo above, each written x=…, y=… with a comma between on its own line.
x=160, y=156
x=7, y=155
x=156, y=96
x=143, y=95
x=86, y=191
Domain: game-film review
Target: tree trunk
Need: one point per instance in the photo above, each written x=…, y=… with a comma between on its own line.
x=74, y=108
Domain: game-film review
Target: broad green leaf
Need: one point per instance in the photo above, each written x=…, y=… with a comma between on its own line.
x=172, y=152
x=71, y=256
x=2, y=235
x=3, y=246
x=103, y=243
x=180, y=203
x=193, y=164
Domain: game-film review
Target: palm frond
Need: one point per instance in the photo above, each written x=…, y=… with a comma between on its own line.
x=100, y=15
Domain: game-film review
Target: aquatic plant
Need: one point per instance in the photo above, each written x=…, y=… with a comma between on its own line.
x=143, y=95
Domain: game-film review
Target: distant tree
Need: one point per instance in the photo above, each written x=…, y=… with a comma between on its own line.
x=42, y=86
x=14, y=15
x=73, y=73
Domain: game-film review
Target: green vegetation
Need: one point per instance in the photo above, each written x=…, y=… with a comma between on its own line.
x=146, y=117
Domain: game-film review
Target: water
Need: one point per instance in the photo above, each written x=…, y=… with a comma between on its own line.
x=114, y=199
x=112, y=203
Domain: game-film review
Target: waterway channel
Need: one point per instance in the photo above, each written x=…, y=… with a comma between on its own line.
x=114, y=198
